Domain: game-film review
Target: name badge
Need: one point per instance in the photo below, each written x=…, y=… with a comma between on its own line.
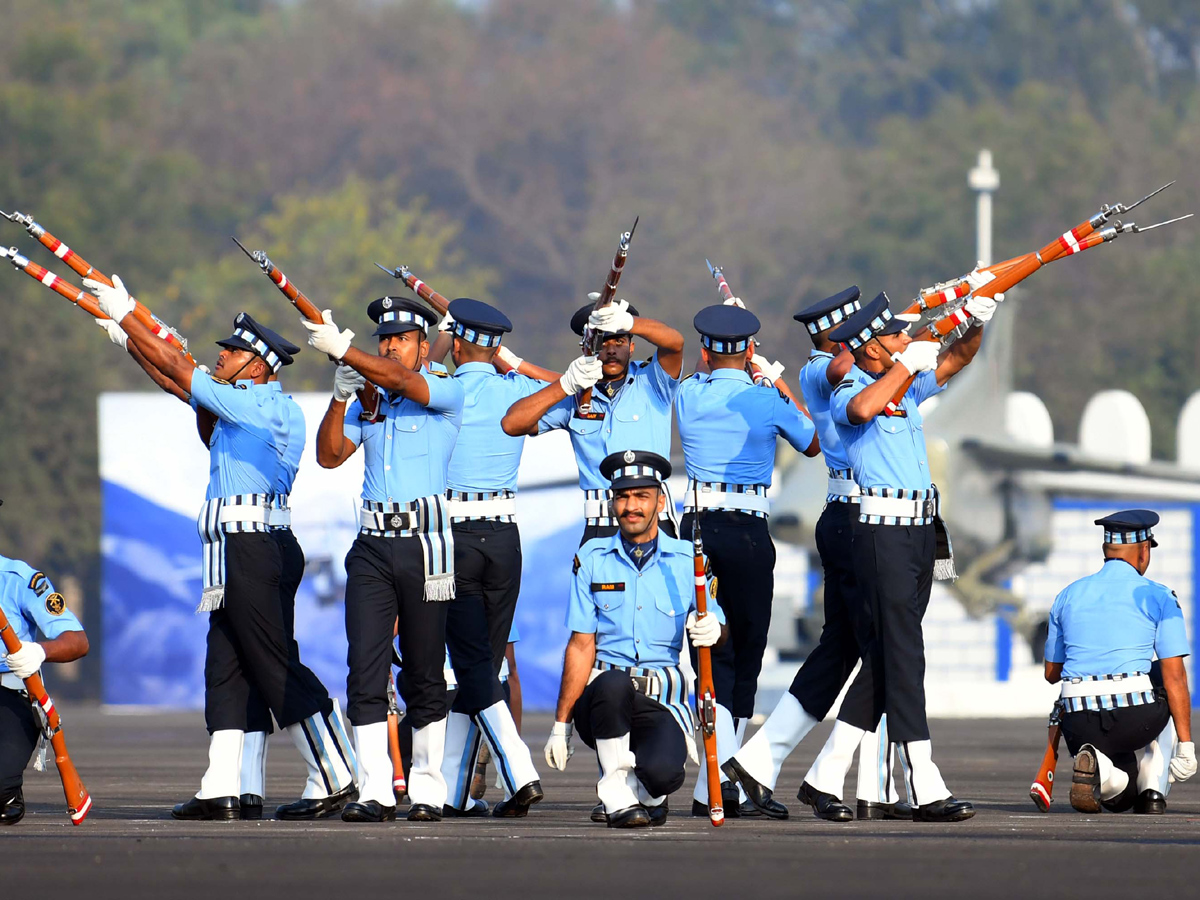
x=608, y=586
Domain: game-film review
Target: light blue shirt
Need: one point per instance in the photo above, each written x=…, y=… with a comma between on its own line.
x=887, y=451
x=817, y=391
x=485, y=458
x=408, y=450
x=728, y=426
x=258, y=439
x=638, y=418
x=637, y=616
x=1113, y=622
x=31, y=604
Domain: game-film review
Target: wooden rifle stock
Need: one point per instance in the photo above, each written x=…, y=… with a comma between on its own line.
x=706, y=694
x=590, y=345
x=79, y=802
x=1041, y=792
x=439, y=303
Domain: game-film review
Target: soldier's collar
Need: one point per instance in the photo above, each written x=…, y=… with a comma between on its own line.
x=476, y=367
x=729, y=375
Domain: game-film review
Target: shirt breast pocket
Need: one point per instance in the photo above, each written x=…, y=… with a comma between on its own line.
x=585, y=427
x=672, y=615
x=632, y=409
x=609, y=598
x=892, y=435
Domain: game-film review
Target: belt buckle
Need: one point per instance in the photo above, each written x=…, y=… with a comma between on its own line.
x=928, y=509
x=397, y=521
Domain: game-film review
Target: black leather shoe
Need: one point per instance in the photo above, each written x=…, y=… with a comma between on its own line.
x=214, y=809
x=476, y=810
x=948, y=810
x=632, y=817
x=318, y=807
x=898, y=810
x=13, y=811
x=423, y=812
x=825, y=806
x=1085, y=781
x=658, y=814
x=517, y=806
x=1150, y=803
x=370, y=811
x=251, y=807
x=759, y=796
x=598, y=815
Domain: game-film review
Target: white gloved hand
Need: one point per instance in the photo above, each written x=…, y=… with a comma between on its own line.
x=115, y=332
x=612, y=318
x=979, y=277
x=919, y=356
x=447, y=323
x=1183, y=763
x=704, y=630
x=735, y=301
x=114, y=301
x=30, y=657
x=581, y=374
x=509, y=358
x=771, y=370
x=347, y=382
x=982, y=308
x=558, y=747
x=205, y=369
x=325, y=336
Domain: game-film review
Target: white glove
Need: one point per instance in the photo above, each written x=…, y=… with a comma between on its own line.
x=116, y=333
x=1183, y=763
x=983, y=308
x=30, y=657
x=979, y=277
x=581, y=374
x=114, y=301
x=325, y=337
x=704, y=631
x=771, y=370
x=919, y=356
x=205, y=369
x=612, y=318
x=347, y=382
x=447, y=323
x=735, y=301
x=509, y=358
x=558, y=747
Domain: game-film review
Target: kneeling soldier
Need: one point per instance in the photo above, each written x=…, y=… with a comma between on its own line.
x=1127, y=723
x=631, y=599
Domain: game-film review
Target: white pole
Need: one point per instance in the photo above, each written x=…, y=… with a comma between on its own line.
x=984, y=180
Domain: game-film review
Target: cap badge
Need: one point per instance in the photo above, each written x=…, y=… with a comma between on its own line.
x=387, y=302
x=629, y=456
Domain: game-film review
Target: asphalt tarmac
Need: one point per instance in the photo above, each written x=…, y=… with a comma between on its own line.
x=138, y=766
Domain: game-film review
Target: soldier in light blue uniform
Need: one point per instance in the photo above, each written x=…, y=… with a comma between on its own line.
x=632, y=598
x=630, y=407
x=729, y=427
x=1127, y=720
x=252, y=566
x=30, y=604
x=402, y=563
x=896, y=538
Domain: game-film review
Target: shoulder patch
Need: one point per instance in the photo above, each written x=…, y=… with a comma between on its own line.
x=39, y=583
x=55, y=604
x=218, y=380
x=575, y=565
x=785, y=397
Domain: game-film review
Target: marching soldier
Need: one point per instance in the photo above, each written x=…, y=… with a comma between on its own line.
x=631, y=404
x=729, y=427
x=896, y=538
x=632, y=598
x=1127, y=721
x=252, y=565
x=30, y=604
x=824, y=673
x=402, y=562
x=482, y=482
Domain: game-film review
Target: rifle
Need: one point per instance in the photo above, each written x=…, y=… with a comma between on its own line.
x=368, y=396
x=399, y=784
x=1084, y=236
x=590, y=344
x=1042, y=789
x=86, y=270
x=706, y=694
x=79, y=801
x=718, y=274
x=439, y=303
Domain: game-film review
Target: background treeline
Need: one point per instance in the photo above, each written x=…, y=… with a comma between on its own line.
x=499, y=147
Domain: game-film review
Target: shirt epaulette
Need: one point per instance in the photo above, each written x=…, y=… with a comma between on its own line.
x=844, y=383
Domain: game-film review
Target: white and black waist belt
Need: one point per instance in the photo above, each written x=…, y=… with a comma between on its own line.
x=898, y=506
x=747, y=498
x=842, y=488
x=666, y=686
x=426, y=518
x=474, y=506
x=236, y=514
x=1096, y=692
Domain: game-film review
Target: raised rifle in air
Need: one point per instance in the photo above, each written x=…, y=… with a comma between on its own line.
x=592, y=339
